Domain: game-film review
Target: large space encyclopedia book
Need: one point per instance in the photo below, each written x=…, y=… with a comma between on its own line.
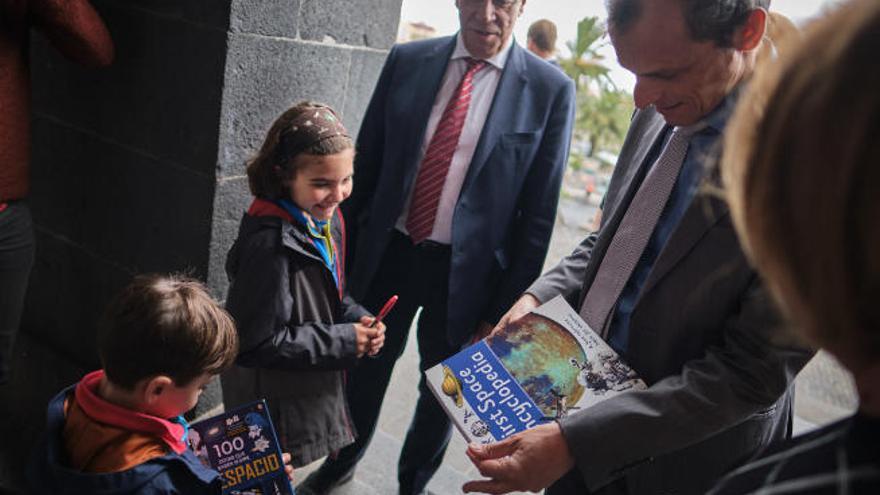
x=545, y=366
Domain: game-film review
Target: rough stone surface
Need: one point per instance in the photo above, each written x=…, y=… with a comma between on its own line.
x=370, y=23
x=265, y=17
x=231, y=200
x=366, y=65
x=265, y=76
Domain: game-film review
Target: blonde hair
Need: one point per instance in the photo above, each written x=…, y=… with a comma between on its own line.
x=802, y=168
x=779, y=34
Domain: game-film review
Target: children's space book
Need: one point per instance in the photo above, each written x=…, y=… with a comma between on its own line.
x=545, y=366
x=242, y=446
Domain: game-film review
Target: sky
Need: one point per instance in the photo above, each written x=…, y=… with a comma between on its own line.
x=442, y=15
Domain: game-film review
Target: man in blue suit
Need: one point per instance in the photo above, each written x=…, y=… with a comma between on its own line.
x=459, y=162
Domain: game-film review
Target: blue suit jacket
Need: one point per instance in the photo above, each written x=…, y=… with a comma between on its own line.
x=504, y=216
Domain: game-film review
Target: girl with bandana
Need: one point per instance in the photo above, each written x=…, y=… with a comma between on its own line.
x=298, y=329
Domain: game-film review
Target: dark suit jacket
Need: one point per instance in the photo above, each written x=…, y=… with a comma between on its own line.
x=504, y=216
x=703, y=335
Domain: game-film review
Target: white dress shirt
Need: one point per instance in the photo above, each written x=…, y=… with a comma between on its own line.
x=485, y=83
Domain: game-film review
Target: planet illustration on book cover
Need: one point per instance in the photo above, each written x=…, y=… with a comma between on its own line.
x=538, y=352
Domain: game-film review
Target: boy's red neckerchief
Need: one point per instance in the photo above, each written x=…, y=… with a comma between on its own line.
x=100, y=410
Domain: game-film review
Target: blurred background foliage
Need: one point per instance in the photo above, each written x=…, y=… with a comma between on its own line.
x=603, y=109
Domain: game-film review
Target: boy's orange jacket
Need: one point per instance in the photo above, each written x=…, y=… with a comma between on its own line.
x=95, y=447
x=100, y=437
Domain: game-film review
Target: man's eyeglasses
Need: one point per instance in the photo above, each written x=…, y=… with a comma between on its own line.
x=499, y=4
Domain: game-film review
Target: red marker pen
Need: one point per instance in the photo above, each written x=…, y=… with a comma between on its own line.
x=385, y=310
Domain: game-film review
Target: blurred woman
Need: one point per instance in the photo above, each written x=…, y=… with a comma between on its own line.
x=802, y=170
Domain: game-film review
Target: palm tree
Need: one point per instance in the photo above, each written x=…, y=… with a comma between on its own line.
x=585, y=65
x=603, y=110
x=604, y=118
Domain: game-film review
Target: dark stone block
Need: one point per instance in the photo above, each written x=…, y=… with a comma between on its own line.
x=265, y=17
x=40, y=373
x=362, y=76
x=211, y=397
x=213, y=13
x=68, y=291
x=161, y=96
x=264, y=77
x=371, y=23
x=231, y=201
x=134, y=211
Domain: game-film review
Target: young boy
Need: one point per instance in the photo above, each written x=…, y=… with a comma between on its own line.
x=162, y=340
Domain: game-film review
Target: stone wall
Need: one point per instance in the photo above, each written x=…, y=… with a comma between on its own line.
x=139, y=167
x=281, y=52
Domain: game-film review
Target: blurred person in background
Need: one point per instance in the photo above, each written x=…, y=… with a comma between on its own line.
x=541, y=40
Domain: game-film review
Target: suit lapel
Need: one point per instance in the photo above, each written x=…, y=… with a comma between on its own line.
x=647, y=133
x=703, y=213
x=502, y=112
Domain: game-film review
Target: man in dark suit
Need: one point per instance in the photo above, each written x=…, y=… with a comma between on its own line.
x=459, y=162
x=665, y=282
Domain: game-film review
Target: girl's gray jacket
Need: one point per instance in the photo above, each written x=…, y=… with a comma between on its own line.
x=296, y=335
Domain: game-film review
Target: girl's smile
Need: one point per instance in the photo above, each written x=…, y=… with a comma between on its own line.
x=322, y=182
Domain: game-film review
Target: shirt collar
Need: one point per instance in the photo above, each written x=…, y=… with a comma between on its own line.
x=717, y=118
x=498, y=61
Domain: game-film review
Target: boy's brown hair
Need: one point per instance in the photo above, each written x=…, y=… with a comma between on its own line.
x=276, y=161
x=165, y=325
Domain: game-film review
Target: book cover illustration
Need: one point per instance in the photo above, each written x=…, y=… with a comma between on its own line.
x=242, y=446
x=545, y=366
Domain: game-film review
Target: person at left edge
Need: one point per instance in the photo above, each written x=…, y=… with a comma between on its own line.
x=76, y=30
x=464, y=263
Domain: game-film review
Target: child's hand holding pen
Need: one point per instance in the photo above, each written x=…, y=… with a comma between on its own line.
x=376, y=323
x=373, y=337
x=371, y=331
x=369, y=338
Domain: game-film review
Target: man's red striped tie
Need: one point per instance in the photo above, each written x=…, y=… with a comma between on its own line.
x=435, y=164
